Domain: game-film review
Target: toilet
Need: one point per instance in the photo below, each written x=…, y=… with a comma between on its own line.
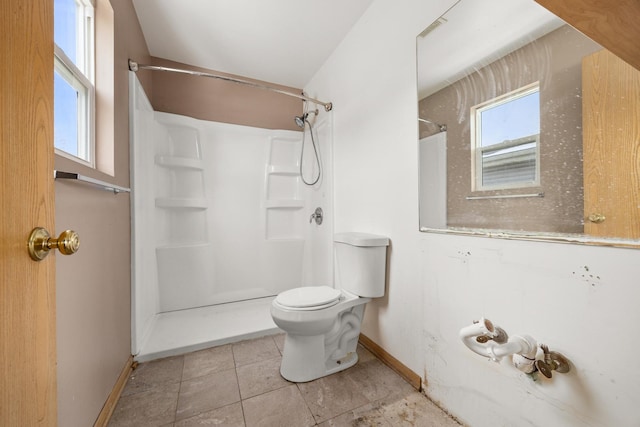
x=322, y=323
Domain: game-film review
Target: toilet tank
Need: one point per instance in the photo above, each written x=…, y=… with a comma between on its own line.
x=361, y=261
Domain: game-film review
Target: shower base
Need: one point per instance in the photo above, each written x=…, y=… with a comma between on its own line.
x=178, y=332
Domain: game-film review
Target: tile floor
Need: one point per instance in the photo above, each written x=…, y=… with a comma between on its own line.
x=240, y=385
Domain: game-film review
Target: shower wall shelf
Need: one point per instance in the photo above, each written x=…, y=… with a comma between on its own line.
x=185, y=245
x=181, y=203
x=283, y=170
x=284, y=204
x=179, y=162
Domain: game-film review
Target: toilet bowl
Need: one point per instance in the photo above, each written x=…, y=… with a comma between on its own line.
x=322, y=323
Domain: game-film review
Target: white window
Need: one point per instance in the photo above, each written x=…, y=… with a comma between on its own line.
x=74, y=90
x=505, y=140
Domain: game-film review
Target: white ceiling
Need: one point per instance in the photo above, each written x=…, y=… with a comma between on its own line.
x=474, y=33
x=277, y=41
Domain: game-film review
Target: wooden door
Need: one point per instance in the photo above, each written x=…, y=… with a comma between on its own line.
x=27, y=288
x=611, y=138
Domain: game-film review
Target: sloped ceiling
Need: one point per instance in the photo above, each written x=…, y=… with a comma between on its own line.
x=474, y=32
x=277, y=41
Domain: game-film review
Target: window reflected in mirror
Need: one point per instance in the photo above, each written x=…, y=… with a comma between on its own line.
x=504, y=143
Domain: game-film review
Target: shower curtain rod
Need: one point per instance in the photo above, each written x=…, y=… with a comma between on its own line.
x=134, y=66
x=442, y=128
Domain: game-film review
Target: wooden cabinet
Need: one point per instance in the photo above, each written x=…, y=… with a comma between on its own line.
x=611, y=144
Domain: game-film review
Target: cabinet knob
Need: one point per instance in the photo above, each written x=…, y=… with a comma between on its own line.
x=596, y=218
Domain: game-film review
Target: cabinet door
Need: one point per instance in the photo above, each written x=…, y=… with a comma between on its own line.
x=611, y=138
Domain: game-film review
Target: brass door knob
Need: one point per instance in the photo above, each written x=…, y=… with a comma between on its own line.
x=40, y=243
x=596, y=218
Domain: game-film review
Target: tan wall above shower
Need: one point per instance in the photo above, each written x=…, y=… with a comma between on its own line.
x=222, y=101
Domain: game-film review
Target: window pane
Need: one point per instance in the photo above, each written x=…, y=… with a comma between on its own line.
x=65, y=127
x=509, y=165
x=66, y=27
x=506, y=142
x=511, y=120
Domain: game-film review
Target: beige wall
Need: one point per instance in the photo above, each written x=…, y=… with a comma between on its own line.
x=93, y=286
x=223, y=101
x=555, y=61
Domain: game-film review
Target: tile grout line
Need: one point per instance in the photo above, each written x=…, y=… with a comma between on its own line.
x=235, y=369
x=175, y=413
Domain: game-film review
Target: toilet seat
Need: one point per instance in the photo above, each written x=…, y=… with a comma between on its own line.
x=309, y=298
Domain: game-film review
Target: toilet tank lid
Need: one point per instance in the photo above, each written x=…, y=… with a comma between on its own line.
x=361, y=239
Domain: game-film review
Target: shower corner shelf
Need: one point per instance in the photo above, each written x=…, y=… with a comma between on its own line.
x=182, y=245
x=284, y=204
x=283, y=170
x=285, y=239
x=179, y=162
x=181, y=203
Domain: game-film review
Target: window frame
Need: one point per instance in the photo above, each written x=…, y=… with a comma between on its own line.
x=477, y=150
x=81, y=78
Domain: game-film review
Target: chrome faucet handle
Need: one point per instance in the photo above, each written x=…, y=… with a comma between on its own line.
x=317, y=216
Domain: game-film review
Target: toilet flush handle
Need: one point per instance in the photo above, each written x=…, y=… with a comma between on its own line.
x=317, y=215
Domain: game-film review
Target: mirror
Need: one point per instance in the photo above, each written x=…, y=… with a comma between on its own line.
x=521, y=130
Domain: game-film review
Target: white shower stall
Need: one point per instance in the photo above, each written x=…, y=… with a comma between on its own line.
x=220, y=225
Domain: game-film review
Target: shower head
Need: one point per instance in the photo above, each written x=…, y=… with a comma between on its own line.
x=301, y=119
